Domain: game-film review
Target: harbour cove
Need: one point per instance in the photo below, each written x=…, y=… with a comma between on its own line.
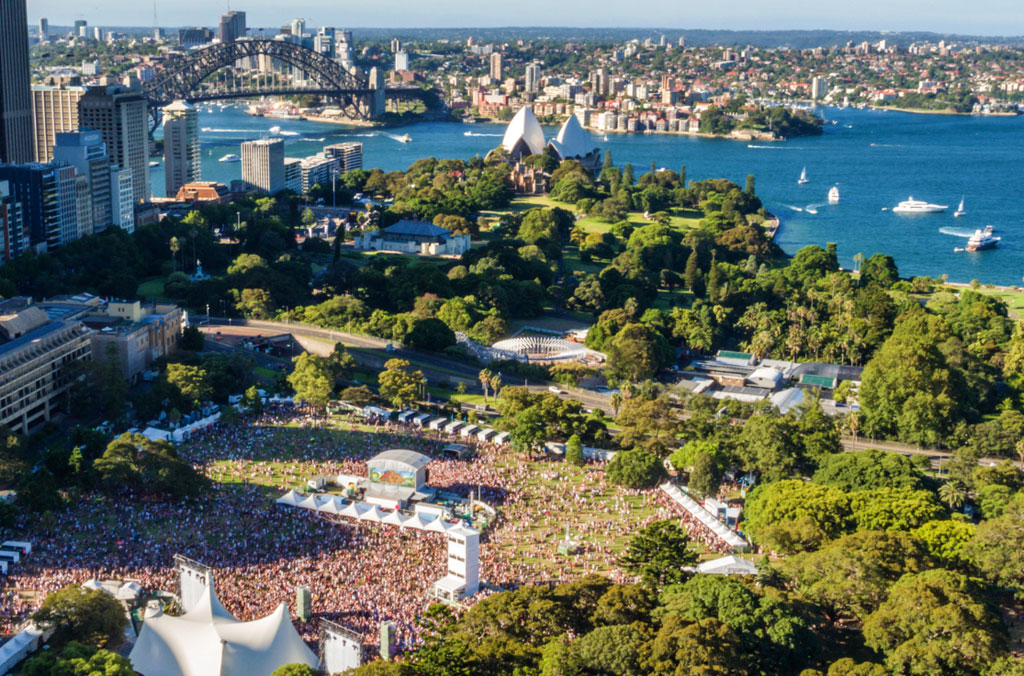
x=875, y=158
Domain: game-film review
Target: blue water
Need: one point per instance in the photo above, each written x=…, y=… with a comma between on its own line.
x=876, y=158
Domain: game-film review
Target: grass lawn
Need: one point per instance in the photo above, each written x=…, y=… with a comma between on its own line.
x=1014, y=299
x=526, y=202
x=265, y=373
x=682, y=219
x=151, y=288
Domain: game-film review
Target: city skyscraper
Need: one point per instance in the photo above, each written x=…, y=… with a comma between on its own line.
x=263, y=164
x=496, y=67
x=532, y=80
x=44, y=201
x=44, y=29
x=120, y=115
x=85, y=151
x=54, y=111
x=401, y=60
x=298, y=27
x=232, y=26
x=13, y=236
x=15, y=99
x=182, y=160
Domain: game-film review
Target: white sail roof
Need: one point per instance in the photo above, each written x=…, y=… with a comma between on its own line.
x=524, y=128
x=209, y=641
x=572, y=141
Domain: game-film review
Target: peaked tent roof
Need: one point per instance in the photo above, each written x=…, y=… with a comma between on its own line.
x=572, y=141
x=209, y=641
x=524, y=127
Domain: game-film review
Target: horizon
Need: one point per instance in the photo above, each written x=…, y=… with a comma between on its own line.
x=987, y=18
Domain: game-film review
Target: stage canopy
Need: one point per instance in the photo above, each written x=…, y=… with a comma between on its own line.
x=209, y=641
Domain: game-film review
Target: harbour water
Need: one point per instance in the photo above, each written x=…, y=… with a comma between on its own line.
x=877, y=159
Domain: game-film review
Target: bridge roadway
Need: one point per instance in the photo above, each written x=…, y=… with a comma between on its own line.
x=371, y=351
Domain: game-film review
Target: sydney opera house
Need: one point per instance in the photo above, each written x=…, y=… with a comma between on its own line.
x=524, y=137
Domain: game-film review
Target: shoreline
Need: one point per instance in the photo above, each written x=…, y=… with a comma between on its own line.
x=944, y=111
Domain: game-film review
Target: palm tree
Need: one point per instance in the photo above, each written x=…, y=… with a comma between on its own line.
x=858, y=259
x=485, y=381
x=954, y=494
x=496, y=384
x=616, y=401
x=175, y=248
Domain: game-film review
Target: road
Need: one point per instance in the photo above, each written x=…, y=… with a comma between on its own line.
x=373, y=352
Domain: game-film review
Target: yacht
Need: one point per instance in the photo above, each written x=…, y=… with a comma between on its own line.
x=154, y=163
x=275, y=130
x=913, y=206
x=803, y=177
x=983, y=239
x=405, y=138
x=231, y=157
x=960, y=209
x=833, y=194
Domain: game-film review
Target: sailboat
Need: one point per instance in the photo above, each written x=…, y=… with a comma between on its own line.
x=960, y=209
x=803, y=177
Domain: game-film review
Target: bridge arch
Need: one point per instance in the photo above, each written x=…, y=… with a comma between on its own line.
x=182, y=76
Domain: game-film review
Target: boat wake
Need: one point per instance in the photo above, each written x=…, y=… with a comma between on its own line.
x=790, y=206
x=956, y=232
x=473, y=133
x=288, y=133
x=228, y=131
x=370, y=135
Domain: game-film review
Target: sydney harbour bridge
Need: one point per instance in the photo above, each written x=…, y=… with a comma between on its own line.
x=206, y=74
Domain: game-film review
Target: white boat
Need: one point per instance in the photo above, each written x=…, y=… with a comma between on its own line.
x=983, y=239
x=833, y=194
x=230, y=157
x=275, y=130
x=913, y=206
x=606, y=137
x=803, y=177
x=154, y=163
x=960, y=209
x=405, y=138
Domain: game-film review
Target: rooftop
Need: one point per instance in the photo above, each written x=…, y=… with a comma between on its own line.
x=416, y=229
x=404, y=456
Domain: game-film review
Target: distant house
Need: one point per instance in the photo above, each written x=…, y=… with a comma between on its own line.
x=414, y=237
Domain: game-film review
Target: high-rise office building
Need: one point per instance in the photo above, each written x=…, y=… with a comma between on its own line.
x=263, y=164
x=401, y=60
x=80, y=27
x=43, y=201
x=182, y=159
x=54, y=111
x=122, y=198
x=319, y=170
x=13, y=235
x=44, y=29
x=496, y=67
x=120, y=115
x=349, y=154
x=85, y=151
x=65, y=230
x=532, y=82
x=232, y=26
x=15, y=99
x=396, y=45
x=97, y=34
x=298, y=27
x=819, y=87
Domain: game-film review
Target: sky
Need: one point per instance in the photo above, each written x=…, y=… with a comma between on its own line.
x=980, y=17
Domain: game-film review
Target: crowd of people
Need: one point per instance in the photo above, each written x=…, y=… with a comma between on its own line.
x=360, y=574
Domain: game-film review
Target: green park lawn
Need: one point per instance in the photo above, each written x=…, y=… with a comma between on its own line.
x=682, y=219
x=151, y=288
x=1014, y=299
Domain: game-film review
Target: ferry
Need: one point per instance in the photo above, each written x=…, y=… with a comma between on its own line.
x=803, y=177
x=960, y=209
x=833, y=195
x=983, y=239
x=231, y=157
x=913, y=206
x=154, y=163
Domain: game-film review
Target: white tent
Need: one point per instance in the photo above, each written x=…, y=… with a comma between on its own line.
x=727, y=565
x=290, y=498
x=129, y=591
x=209, y=641
x=92, y=585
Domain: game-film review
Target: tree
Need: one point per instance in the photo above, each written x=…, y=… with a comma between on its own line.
x=849, y=578
x=613, y=650
x=935, y=622
x=954, y=494
x=635, y=469
x=77, y=659
x=658, y=554
x=776, y=513
x=430, y=334
x=684, y=647
x=946, y=541
x=706, y=476
x=997, y=547
x=637, y=352
x=150, y=466
x=770, y=445
x=253, y=401
x=866, y=470
x=398, y=385
x=312, y=378
x=485, y=381
x=574, y=450
x=343, y=364
x=192, y=339
x=192, y=383
x=893, y=508
x=78, y=614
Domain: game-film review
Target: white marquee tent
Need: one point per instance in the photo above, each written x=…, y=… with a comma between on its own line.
x=209, y=641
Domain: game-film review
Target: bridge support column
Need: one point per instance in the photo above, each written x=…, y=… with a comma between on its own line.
x=378, y=102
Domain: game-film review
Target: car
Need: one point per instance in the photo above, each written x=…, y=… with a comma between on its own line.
x=555, y=390
x=218, y=336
